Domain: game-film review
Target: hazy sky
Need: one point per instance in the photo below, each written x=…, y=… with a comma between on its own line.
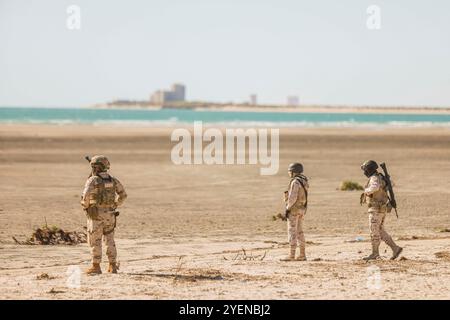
x=225, y=50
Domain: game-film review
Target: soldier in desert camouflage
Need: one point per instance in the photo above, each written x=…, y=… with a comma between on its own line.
x=296, y=201
x=101, y=196
x=376, y=197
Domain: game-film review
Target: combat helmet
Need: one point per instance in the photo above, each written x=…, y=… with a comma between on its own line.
x=296, y=168
x=369, y=167
x=100, y=162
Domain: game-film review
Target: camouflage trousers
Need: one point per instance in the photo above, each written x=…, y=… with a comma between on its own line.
x=102, y=227
x=295, y=229
x=377, y=231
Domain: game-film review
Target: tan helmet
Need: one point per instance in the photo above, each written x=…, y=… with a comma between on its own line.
x=100, y=162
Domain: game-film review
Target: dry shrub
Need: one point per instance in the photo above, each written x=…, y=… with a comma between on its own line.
x=54, y=235
x=350, y=186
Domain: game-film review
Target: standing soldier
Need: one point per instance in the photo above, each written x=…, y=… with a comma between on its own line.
x=375, y=195
x=296, y=200
x=101, y=196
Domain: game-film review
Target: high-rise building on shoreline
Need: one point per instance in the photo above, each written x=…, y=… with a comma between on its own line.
x=175, y=94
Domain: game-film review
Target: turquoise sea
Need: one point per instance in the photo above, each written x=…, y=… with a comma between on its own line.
x=173, y=117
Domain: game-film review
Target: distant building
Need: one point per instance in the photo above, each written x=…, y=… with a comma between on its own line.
x=178, y=92
x=293, y=101
x=175, y=94
x=253, y=99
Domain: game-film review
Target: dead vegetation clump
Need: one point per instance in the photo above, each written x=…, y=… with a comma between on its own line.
x=445, y=255
x=350, y=186
x=44, y=276
x=279, y=216
x=53, y=236
x=242, y=255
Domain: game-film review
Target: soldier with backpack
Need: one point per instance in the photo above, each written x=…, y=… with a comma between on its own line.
x=101, y=196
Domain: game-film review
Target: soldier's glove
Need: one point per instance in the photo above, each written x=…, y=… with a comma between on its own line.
x=362, y=199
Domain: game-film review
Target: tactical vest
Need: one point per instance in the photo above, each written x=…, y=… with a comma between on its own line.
x=105, y=195
x=302, y=199
x=379, y=198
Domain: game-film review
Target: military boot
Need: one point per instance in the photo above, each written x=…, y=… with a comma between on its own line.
x=291, y=256
x=375, y=253
x=94, y=269
x=113, y=268
x=396, y=252
x=302, y=255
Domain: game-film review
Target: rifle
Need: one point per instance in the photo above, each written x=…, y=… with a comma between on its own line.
x=389, y=188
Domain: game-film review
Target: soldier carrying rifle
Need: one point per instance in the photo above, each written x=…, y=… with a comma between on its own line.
x=379, y=202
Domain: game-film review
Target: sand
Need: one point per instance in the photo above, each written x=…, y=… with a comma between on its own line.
x=181, y=232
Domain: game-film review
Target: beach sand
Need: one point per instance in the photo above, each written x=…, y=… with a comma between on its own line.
x=205, y=232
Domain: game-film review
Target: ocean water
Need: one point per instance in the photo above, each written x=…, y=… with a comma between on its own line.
x=174, y=117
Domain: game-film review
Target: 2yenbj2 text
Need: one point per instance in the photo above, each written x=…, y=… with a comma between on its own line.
x=226, y=309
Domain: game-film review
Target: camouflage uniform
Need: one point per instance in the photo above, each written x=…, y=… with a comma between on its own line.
x=102, y=194
x=296, y=202
x=377, y=199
